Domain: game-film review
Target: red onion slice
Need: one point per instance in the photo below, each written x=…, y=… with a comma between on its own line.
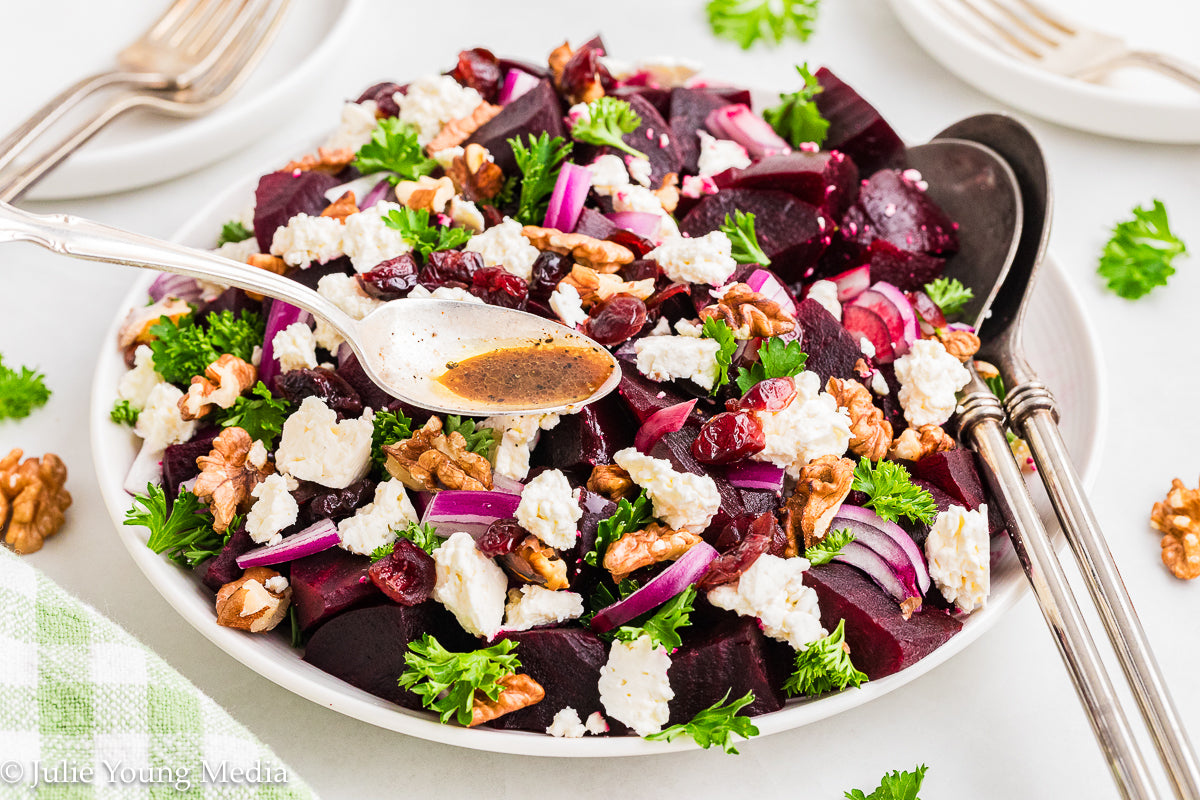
x=170, y=285
x=643, y=223
x=452, y=511
x=566, y=201
x=668, y=583
x=516, y=83
x=313, y=539
x=765, y=283
x=755, y=475
x=660, y=423
x=852, y=282
x=888, y=540
x=281, y=315
x=739, y=123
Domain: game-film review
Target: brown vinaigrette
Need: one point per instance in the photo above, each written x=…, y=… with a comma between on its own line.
x=538, y=375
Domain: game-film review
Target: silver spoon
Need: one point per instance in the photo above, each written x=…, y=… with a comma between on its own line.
x=403, y=346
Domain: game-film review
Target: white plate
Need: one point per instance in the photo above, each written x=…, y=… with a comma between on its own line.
x=1061, y=348
x=140, y=147
x=1130, y=104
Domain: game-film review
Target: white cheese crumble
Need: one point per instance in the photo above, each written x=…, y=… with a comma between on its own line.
x=632, y=197
x=634, y=687
x=518, y=435
x=664, y=358
x=879, y=383
x=238, y=251
x=661, y=328
x=160, y=422
x=278, y=584
x=257, y=457
x=682, y=500
x=470, y=585
x=355, y=129
x=698, y=259
x=307, y=239
x=773, y=590
x=609, y=175
x=811, y=425
x=687, y=327
x=531, y=606
x=596, y=723
x=137, y=384
x=826, y=293
x=374, y=524
x=273, y=510
x=549, y=509
x=957, y=549
x=369, y=241
x=565, y=302
x=444, y=293
x=718, y=155
x=345, y=293
x=865, y=347
x=315, y=447
x=929, y=381
x=566, y=724
x=295, y=347
x=434, y=100
x=639, y=169
x=503, y=246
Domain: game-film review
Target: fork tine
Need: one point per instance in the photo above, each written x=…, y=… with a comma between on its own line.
x=1023, y=47
x=175, y=15
x=222, y=15
x=203, y=16
x=1044, y=14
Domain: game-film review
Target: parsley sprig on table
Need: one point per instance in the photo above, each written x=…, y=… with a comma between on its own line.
x=258, y=413
x=896, y=785
x=605, y=122
x=949, y=294
x=447, y=682
x=233, y=231
x=424, y=238
x=748, y=21
x=21, y=391
x=185, y=532
x=183, y=349
x=740, y=230
x=627, y=517
x=716, y=724
x=394, y=148
x=719, y=331
x=663, y=624
x=776, y=359
x=479, y=440
x=1138, y=256
x=797, y=118
x=390, y=427
x=423, y=536
x=539, y=163
x=891, y=493
x=823, y=666
x=824, y=551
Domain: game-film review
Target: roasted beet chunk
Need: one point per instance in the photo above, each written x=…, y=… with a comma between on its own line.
x=450, y=268
x=498, y=286
x=179, y=461
x=223, y=569
x=827, y=180
x=328, y=582
x=894, y=208
x=531, y=114
x=616, y=319
x=832, y=352
x=282, y=195
x=729, y=436
x=325, y=384
x=688, y=110
x=855, y=127
x=479, y=69
x=407, y=575
x=391, y=279
x=566, y=662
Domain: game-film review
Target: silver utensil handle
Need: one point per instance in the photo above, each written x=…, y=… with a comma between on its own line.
x=1031, y=409
x=981, y=420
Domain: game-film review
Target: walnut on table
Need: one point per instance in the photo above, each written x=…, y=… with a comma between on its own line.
x=249, y=604
x=870, y=433
x=598, y=254
x=913, y=444
x=594, y=287
x=1177, y=517
x=611, y=481
x=637, y=549
x=430, y=461
x=227, y=476
x=32, y=499
x=821, y=489
x=520, y=691
x=222, y=384
x=749, y=314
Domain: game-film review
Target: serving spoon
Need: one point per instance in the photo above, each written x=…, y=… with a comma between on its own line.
x=404, y=346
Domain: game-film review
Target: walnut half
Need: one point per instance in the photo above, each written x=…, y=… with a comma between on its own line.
x=32, y=493
x=609, y=480
x=430, y=461
x=749, y=313
x=821, y=488
x=1178, y=518
x=532, y=561
x=870, y=433
x=253, y=602
x=637, y=549
x=223, y=382
x=594, y=287
x=227, y=477
x=602, y=256
x=520, y=691
x=913, y=444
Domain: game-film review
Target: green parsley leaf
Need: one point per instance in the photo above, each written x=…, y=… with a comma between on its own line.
x=604, y=122
x=479, y=440
x=604, y=596
x=823, y=666
x=259, y=414
x=897, y=785
x=183, y=349
x=714, y=725
x=21, y=392
x=776, y=359
x=394, y=148
x=447, y=682
x=390, y=427
x=719, y=331
x=297, y=632
x=740, y=231
x=539, y=163
x=797, y=117
x=949, y=294
x=424, y=238
x=124, y=414
x=423, y=536
x=748, y=21
x=822, y=552
x=891, y=492
x=185, y=532
x=663, y=624
x=996, y=384
x=628, y=517
x=1138, y=256
x=233, y=231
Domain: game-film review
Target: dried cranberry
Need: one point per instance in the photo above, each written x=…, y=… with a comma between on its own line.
x=616, y=319
x=734, y=531
x=582, y=70
x=337, y=504
x=407, y=575
x=638, y=244
x=730, y=565
x=383, y=94
x=297, y=384
x=771, y=395
x=640, y=269
x=927, y=311
x=391, y=279
x=450, y=268
x=729, y=436
x=501, y=538
x=498, y=286
x=479, y=69
x=548, y=270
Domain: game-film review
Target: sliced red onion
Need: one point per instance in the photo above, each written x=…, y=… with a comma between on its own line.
x=765, y=283
x=507, y=485
x=907, y=315
x=660, y=423
x=643, y=223
x=889, y=541
x=281, y=315
x=516, y=83
x=566, y=201
x=739, y=123
x=344, y=353
x=452, y=511
x=313, y=539
x=170, y=285
x=882, y=572
x=375, y=195
x=852, y=282
x=661, y=588
x=755, y=475
x=961, y=326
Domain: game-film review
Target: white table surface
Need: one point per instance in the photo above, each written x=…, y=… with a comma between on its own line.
x=1001, y=720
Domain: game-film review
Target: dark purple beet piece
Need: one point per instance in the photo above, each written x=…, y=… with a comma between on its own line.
x=328, y=582
x=594, y=224
x=881, y=641
x=179, y=461
x=659, y=98
x=533, y=113
x=893, y=208
x=595, y=509
x=906, y=270
x=581, y=441
x=312, y=275
x=956, y=472
x=384, y=96
x=319, y=502
x=644, y=397
x=649, y=138
x=732, y=657
x=366, y=647
x=223, y=569
x=298, y=384
x=832, y=352
x=688, y=110
x=282, y=195
x=372, y=396
x=827, y=180
x=855, y=127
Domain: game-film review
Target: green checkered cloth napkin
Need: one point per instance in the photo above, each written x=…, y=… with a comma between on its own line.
x=87, y=711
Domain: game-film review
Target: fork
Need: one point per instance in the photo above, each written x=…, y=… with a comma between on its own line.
x=186, y=64
x=1029, y=31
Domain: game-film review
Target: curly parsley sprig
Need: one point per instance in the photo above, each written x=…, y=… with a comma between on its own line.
x=776, y=359
x=949, y=294
x=479, y=440
x=797, y=117
x=1140, y=253
x=258, y=413
x=185, y=348
x=447, y=682
x=233, y=231
x=663, y=624
x=389, y=428
x=825, y=550
x=627, y=517
x=823, y=666
x=891, y=493
x=716, y=724
x=740, y=230
x=423, y=237
x=123, y=413
x=424, y=536
x=539, y=162
x=749, y=21
x=719, y=331
x=604, y=122
x=394, y=148
x=21, y=391
x=896, y=785
x=184, y=532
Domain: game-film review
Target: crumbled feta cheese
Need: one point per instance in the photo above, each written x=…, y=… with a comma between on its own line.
x=664, y=358
x=238, y=251
x=696, y=259
x=444, y=293
x=274, y=510
x=682, y=500
x=295, y=347
x=137, y=384
x=466, y=215
x=826, y=293
x=518, y=435
x=307, y=239
x=957, y=549
x=566, y=724
x=470, y=585
x=344, y=292
x=160, y=422
x=434, y=100
x=661, y=328
x=257, y=457
x=634, y=687
x=639, y=169
x=632, y=197
x=609, y=175
x=695, y=186
x=596, y=723
x=811, y=425
x=549, y=509
x=879, y=384
x=503, y=246
x=531, y=606
x=445, y=157
x=773, y=590
x=929, y=381
x=278, y=584
x=565, y=302
x=355, y=129
x=315, y=447
x=689, y=328
x=718, y=155
x=374, y=524
x=369, y=241
x=865, y=346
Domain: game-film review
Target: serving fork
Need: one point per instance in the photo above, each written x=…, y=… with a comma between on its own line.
x=191, y=60
x=1030, y=32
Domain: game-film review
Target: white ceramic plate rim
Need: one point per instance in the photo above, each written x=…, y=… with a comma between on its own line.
x=262, y=655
